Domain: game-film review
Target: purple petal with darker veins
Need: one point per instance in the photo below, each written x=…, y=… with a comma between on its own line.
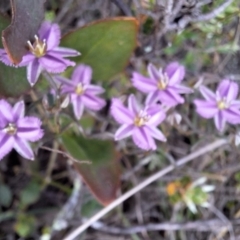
x=172, y=68
x=232, y=115
x=82, y=74
x=93, y=102
x=5, y=59
x=143, y=84
x=28, y=58
x=232, y=91
x=156, y=133
x=219, y=121
x=170, y=97
x=124, y=131
x=18, y=110
x=23, y=148
x=29, y=128
x=33, y=71
x=152, y=97
x=181, y=89
x=235, y=103
x=141, y=139
x=6, y=145
x=207, y=93
x=65, y=52
x=64, y=81
x=6, y=112
x=65, y=89
x=54, y=63
x=206, y=109
x=133, y=105
x=156, y=119
x=177, y=76
x=51, y=33
x=93, y=89
x=78, y=107
x=120, y=113
x=153, y=72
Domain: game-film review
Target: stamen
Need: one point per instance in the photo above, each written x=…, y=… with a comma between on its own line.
x=39, y=47
x=79, y=90
x=222, y=104
x=11, y=129
x=141, y=119
x=163, y=81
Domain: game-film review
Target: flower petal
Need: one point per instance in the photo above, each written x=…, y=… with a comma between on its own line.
x=93, y=89
x=82, y=74
x=181, y=89
x=206, y=109
x=219, y=121
x=23, y=148
x=124, y=131
x=235, y=103
x=54, y=63
x=153, y=72
x=156, y=119
x=78, y=107
x=228, y=89
x=170, y=97
x=93, y=102
x=142, y=139
x=29, y=128
x=18, y=110
x=143, y=84
x=232, y=115
x=64, y=81
x=133, y=105
x=156, y=133
x=207, y=93
x=6, y=144
x=33, y=71
x=176, y=76
x=4, y=58
x=152, y=97
x=65, y=52
x=6, y=113
x=120, y=113
x=172, y=69
x=51, y=33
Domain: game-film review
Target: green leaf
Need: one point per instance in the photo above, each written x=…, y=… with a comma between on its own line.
x=13, y=81
x=5, y=195
x=25, y=225
x=27, y=17
x=30, y=193
x=104, y=45
x=102, y=175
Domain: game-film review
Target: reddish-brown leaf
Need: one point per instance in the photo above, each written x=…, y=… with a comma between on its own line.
x=27, y=16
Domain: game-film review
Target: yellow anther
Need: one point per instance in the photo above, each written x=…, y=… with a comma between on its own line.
x=79, y=90
x=39, y=47
x=11, y=129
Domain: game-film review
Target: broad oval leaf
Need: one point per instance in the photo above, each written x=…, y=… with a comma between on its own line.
x=27, y=17
x=103, y=174
x=104, y=45
x=13, y=81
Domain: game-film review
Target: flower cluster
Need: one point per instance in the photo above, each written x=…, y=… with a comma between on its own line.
x=163, y=88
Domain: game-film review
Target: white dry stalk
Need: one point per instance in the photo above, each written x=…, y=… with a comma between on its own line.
x=208, y=148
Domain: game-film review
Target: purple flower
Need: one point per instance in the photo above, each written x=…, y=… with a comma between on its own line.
x=222, y=105
x=45, y=53
x=162, y=85
x=139, y=123
x=16, y=130
x=82, y=93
